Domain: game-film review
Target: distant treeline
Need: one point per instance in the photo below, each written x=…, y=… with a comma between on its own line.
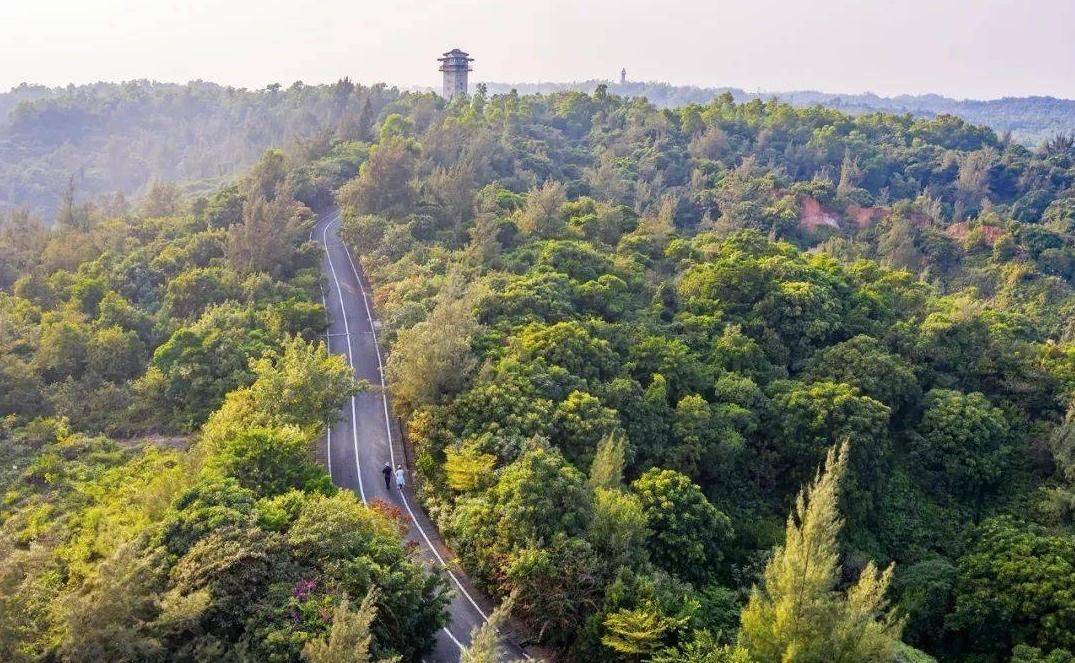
x=93, y=140
x=1030, y=120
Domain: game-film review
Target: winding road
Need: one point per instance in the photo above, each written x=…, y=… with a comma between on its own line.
x=366, y=437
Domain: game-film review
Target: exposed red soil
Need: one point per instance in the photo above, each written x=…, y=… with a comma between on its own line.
x=863, y=217
x=963, y=228
x=813, y=215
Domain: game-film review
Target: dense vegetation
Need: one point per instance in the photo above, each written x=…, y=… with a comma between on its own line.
x=1029, y=120
x=624, y=338
x=218, y=537
x=94, y=141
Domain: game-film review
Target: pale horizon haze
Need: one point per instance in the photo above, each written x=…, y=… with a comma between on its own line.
x=964, y=49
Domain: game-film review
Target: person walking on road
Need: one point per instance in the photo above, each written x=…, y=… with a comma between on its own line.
x=401, y=478
x=387, y=472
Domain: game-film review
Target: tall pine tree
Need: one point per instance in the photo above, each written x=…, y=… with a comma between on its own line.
x=797, y=614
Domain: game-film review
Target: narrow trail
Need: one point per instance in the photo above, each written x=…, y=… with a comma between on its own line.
x=366, y=438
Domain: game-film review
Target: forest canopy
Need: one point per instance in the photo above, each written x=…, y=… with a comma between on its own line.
x=626, y=342
x=98, y=140
x=163, y=387
x=624, y=338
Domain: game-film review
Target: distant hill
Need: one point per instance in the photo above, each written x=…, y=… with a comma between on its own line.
x=1031, y=120
x=119, y=137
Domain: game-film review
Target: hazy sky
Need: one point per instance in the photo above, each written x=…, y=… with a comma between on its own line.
x=962, y=48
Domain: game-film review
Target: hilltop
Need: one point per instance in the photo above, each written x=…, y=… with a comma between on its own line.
x=89, y=141
x=1030, y=120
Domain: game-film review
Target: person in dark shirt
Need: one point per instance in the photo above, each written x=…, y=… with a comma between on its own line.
x=387, y=472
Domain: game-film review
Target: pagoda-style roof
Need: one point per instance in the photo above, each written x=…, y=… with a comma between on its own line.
x=456, y=54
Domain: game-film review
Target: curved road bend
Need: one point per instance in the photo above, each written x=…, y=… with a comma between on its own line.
x=363, y=440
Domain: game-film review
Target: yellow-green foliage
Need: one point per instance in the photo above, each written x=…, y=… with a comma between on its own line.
x=797, y=614
x=637, y=632
x=466, y=468
x=348, y=639
x=123, y=502
x=485, y=640
x=433, y=359
x=298, y=387
x=606, y=470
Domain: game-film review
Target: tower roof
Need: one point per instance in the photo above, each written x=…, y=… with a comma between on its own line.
x=455, y=54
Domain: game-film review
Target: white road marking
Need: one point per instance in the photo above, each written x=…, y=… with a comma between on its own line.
x=391, y=448
x=354, y=418
x=350, y=360
x=328, y=346
x=454, y=639
x=392, y=453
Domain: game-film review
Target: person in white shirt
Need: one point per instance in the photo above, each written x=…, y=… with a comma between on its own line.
x=401, y=478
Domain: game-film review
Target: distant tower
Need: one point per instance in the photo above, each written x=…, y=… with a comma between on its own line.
x=623, y=76
x=455, y=64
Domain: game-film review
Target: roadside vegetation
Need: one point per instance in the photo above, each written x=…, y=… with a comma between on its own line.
x=197, y=322
x=726, y=382
x=624, y=339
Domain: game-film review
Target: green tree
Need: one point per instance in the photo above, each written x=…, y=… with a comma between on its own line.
x=199, y=364
x=863, y=362
x=1027, y=654
x=897, y=246
x=694, y=430
x=266, y=177
x=219, y=581
x=579, y=423
x=466, y=468
x=964, y=444
x=797, y=614
x=364, y=232
x=619, y=529
x=536, y=499
x=569, y=345
x=433, y=359
x=1061, y=443
x=385, y=182
x=115, y=354
x=301, y=384
x=606, y=470
x=360, y=548
x=267, y=239
x=191, y=292
x=639, y=632
x=20, y=387
x=703, y=648
x=63, y=349
x=925, y=594
x=485, y=640
x=807, y=419
x=349, y=638
x=269, y=461
x=162, y=200
x=542, y=215
x=555, y=587
x=688, y=534
x=107, y=618
x=224, y=208
x=1014, y=588
x=213, y=502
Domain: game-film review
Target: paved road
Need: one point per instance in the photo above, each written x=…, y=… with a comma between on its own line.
x=365, y=438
